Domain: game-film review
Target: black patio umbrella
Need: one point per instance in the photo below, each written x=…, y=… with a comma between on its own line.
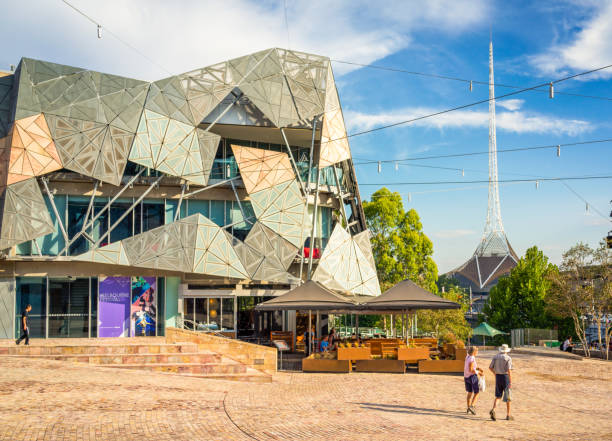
x=404, y=297
x=311, y=296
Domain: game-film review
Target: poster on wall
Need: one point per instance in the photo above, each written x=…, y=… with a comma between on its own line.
x=114, y=307
x=143, y=310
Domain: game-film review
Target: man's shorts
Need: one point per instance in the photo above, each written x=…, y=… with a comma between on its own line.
x=501, y=384
x=471, y=384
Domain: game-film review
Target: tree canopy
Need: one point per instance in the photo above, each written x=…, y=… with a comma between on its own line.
x=401, y=249
x=519, y=299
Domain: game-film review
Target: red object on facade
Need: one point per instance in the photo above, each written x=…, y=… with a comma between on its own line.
x=316, y=254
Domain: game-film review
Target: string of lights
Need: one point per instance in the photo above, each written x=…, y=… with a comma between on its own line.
x=565, y=178
x=463, y=80
x=484, y=152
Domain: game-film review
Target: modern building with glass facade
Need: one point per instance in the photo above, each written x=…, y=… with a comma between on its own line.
x=130, y=206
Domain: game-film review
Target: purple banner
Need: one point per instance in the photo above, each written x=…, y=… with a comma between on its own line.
x=114, y=307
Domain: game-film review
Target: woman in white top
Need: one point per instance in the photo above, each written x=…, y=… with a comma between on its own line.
x=470, y=378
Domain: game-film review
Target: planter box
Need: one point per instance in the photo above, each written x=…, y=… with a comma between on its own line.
x=460, y=354
x=430, y=342
x=354, y=354
x=413, y=355
x=441, y=366
x=393, y=366
x=314, y=365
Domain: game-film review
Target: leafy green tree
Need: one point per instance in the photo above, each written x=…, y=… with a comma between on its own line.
x=449, y=325
x=401, y=249
x=519, y=299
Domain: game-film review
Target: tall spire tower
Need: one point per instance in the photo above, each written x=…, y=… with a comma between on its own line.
x=494, y=241
x=494, y=256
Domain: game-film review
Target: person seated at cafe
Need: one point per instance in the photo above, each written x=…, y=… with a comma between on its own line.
x=333, y=340
x=324, y=345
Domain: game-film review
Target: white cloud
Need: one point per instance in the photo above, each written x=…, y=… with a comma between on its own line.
x=185, y=35
x=450, y=234
x=590, y=48
x=517, y=122
x=512, y=104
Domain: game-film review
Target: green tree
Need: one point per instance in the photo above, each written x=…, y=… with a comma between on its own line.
x=448, y=325
x=519, y=299
x=401, y=249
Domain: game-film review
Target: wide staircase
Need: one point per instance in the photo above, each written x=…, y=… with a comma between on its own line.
x=141, y=353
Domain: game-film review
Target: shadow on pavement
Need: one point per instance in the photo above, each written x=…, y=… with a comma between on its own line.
x=415, y=410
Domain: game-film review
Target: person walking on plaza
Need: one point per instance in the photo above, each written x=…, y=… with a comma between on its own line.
x=471, y=371
x=25, y=329
x=501, y=366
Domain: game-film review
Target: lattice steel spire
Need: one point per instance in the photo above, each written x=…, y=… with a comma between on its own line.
x=494, y=241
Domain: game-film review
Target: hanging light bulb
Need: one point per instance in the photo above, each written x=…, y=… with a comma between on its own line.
x=379, y=166
x=99, y=31
x=462, y=172
x=471, y=86
x=229, y=171
x=551, y=90
x=409, y=197
x=558, y=151
x=396, y=166
x=537, y=184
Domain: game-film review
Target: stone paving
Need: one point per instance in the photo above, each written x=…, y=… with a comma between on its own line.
x=51, y=400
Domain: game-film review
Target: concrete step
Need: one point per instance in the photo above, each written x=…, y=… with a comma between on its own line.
x=246, y=377
x=186, y=368
x=114, y=359
x=150, y=348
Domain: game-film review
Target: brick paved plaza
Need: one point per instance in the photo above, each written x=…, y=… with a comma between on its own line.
x=51, y=400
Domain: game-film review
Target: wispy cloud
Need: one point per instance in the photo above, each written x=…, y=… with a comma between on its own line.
x=185, y=35
x=590, y=47
x=449, y=234
x=512, y=104
x=517, y=122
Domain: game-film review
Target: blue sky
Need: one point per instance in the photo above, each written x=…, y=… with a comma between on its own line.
x=534, y=42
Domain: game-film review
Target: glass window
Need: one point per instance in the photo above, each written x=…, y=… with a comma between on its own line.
x=171, y=207
x=53, y=243
x=149, y=215
x=93, y=307
x=25, y=249
x=188, y=313
x=161, y=306
x=227, y=314
x=214, y=314
x=241, y=227
x=77, y=208
x=201, y=314
x=197, y=206
x=217, y=212
x=100, y=226
x=124, y=228
x=68, y=307
x=32, y=291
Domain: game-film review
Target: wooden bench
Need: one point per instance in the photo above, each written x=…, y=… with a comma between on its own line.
x=362, y=353
x=441, y=366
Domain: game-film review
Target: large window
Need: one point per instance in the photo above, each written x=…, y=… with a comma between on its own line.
x=68, y=307
x=210, y=313
x=32, y=291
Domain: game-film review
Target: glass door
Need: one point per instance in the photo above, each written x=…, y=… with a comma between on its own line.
x=32, y=291
x=68, y=307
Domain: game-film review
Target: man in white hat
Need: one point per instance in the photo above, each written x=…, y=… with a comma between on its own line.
x=501, y=366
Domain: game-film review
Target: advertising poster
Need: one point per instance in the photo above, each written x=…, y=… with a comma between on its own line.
x=114, y=307
x=143, y=311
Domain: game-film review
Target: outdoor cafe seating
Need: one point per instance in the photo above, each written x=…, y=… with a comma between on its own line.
x=375, y=354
